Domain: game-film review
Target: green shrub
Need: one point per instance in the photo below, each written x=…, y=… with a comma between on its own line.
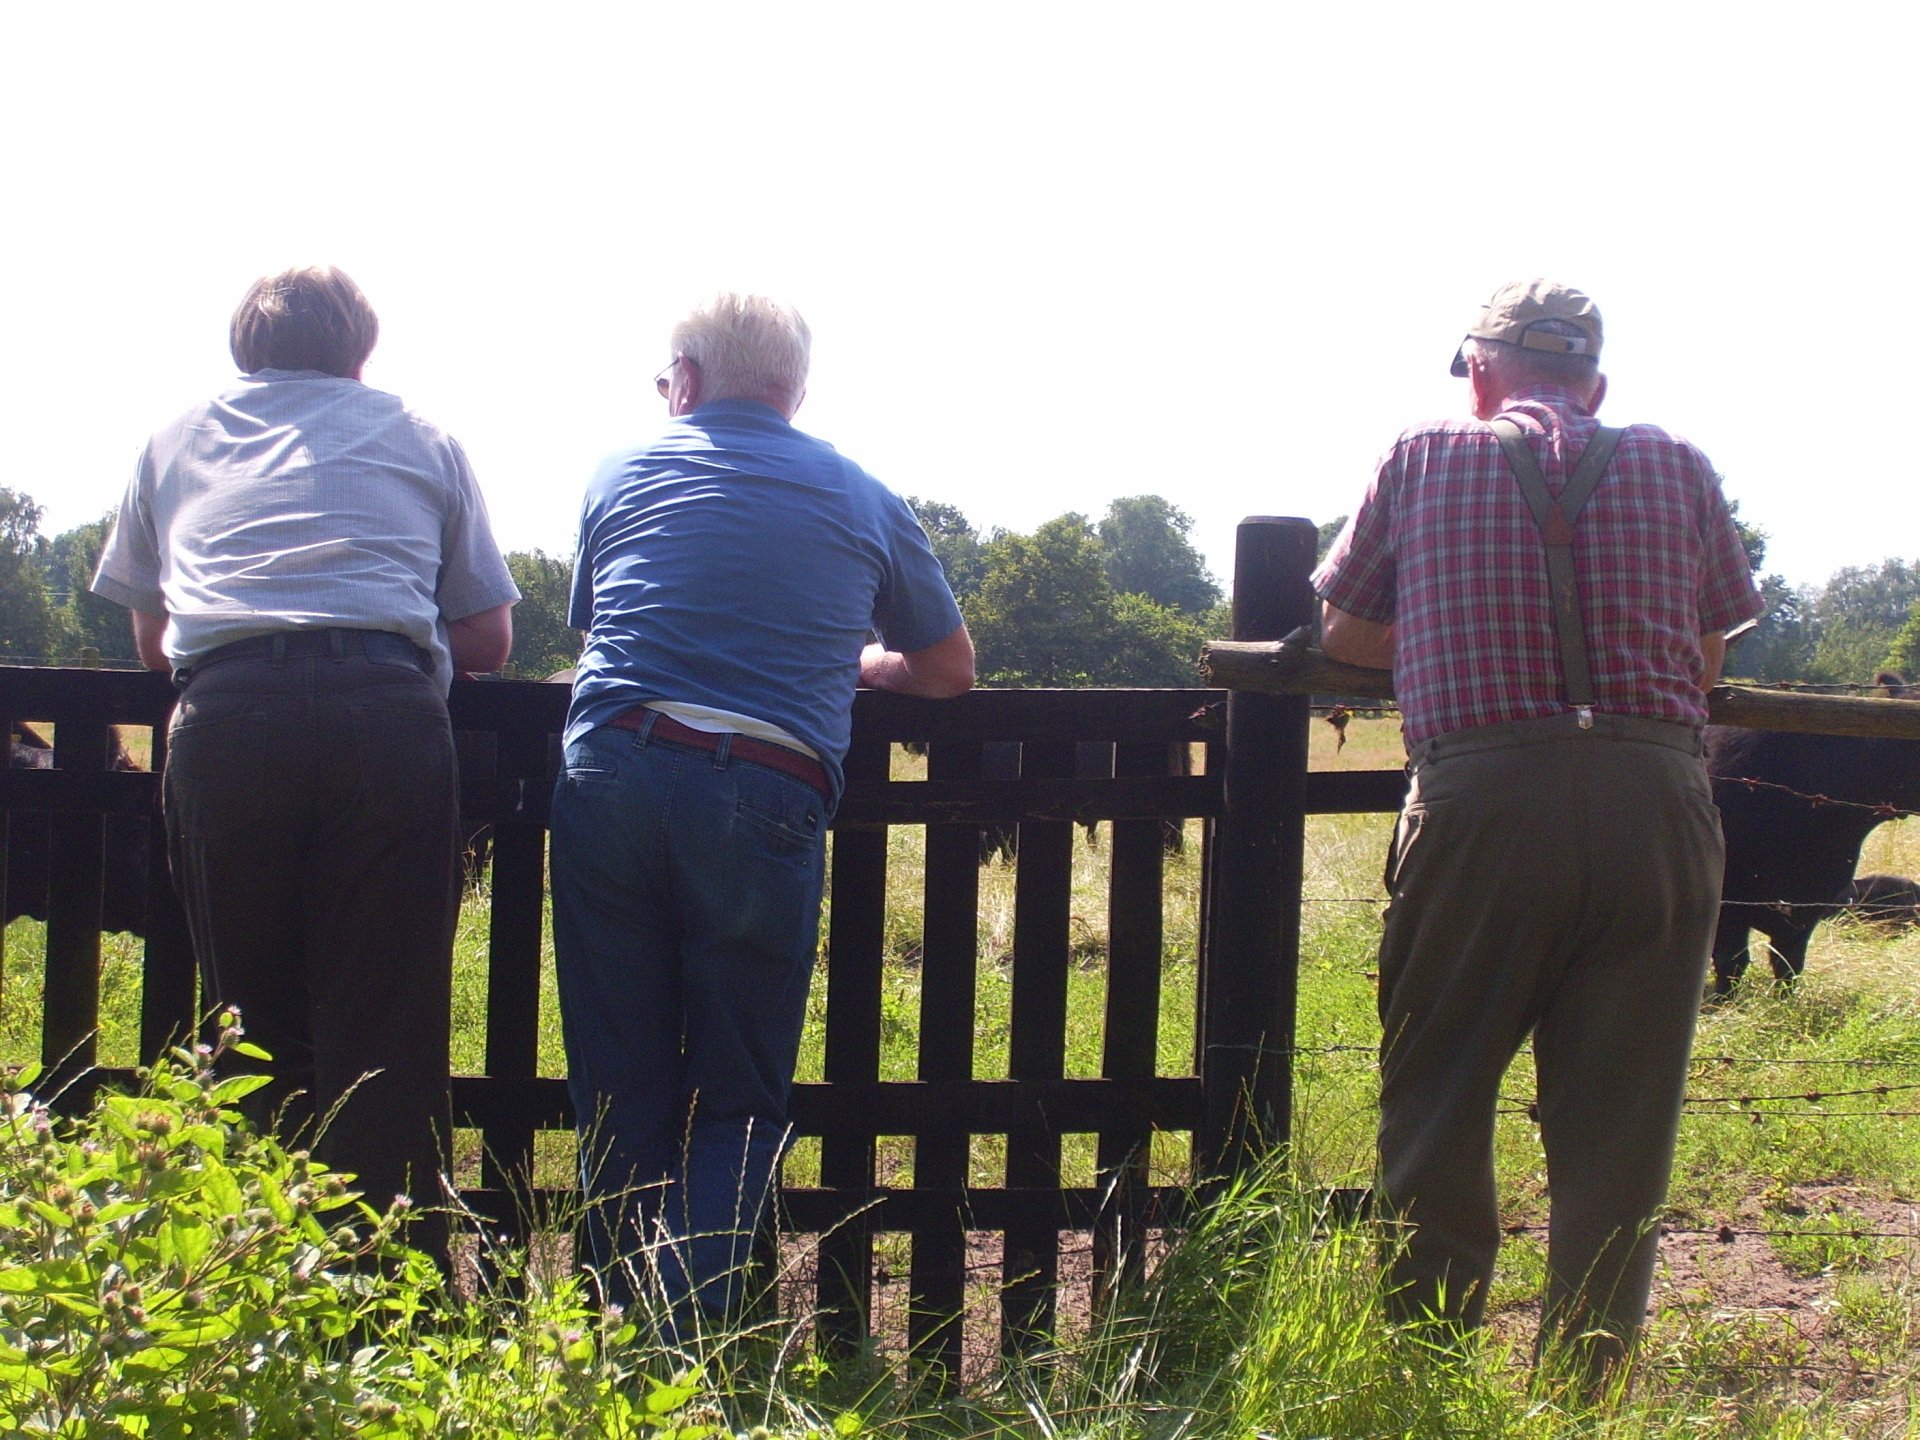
x=167, y=1272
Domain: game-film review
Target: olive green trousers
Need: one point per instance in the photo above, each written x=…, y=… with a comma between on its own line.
x=1559, y=883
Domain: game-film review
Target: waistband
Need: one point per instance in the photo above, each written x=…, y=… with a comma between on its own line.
x=654, y=725
x=1512, y=734
x=330, y=643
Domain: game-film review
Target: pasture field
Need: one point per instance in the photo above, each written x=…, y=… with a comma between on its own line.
x=1786, y=1302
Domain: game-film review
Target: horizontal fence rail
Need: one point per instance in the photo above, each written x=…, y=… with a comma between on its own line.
x=1295, y=666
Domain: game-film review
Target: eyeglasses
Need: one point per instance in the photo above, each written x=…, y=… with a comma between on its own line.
x=663, y=380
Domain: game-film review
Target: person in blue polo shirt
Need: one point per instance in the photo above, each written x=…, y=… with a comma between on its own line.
x=731, y=577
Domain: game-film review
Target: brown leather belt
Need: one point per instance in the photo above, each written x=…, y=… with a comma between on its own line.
x=743, y=747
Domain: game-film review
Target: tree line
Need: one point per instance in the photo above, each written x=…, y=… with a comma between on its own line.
x=1124, y=600
x=1865, y=619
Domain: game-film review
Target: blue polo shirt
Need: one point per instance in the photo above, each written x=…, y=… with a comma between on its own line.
x=739, y=564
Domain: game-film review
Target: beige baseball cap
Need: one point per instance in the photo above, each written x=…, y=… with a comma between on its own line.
x=1515, y=308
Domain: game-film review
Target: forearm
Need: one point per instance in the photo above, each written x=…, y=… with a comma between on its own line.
x=481, y=643
x=1713, y=658
x=147, y=633
x=938, y=672
x=1353, y=641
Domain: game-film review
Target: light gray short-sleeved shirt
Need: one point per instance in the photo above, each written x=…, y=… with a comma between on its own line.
x=299, y=500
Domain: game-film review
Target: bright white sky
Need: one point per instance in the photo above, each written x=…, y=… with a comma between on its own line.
x=1051, y=253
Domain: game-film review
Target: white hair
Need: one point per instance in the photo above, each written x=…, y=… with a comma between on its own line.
x=747, y=347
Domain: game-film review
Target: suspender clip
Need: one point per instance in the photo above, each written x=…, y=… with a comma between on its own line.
x=1585, y=712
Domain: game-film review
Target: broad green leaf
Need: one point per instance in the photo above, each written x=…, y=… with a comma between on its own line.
x=237, y=1087
x=185, y=1241
x=664, y=1399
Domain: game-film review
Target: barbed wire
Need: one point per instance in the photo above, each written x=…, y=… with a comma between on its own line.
x=1727, y=1234
x=1371, y=706
x=1753, y=1117
x=1868, y=910
x=1851, y=1062
x=1854, y=1061
x=1884, y=809
x=1812, y=1097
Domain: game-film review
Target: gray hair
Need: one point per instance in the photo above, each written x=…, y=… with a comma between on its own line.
x=747, y=347
x=1520, y=367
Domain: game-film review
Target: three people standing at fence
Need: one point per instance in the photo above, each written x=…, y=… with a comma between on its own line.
x=313, y=562
x=731, y=577
x=1556, y=870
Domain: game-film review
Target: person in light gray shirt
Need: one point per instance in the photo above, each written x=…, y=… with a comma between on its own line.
x=313, y=562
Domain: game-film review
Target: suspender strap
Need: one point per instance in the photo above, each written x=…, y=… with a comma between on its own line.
x=1554, y=519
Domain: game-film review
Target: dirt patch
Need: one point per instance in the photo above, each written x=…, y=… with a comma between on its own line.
x=1759, y=1302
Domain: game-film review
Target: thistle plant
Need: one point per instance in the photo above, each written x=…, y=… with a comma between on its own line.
x=166, y=1271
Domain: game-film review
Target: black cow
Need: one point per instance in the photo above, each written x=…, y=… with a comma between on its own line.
x=1891, y=902
x=1000, y=760
x=477, y=756
x=123, y=903
x=1789, y=852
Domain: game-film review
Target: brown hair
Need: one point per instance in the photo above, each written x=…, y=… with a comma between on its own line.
x=311, y=318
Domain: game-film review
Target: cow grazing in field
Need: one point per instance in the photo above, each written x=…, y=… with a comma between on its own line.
x=1000, y=760
x=477, y=755
x=476, y=760
x=1791, y=850
x=1891, y=902
x=123, y=903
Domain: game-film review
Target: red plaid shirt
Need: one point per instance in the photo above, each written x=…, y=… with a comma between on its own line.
x=1443, y=547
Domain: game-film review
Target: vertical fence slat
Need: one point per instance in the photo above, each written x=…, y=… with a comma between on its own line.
x=513, y=955
x=1042, y=897
x=168, y=989
x=1253, y=937
x=1135, y=946
x=76, y=856
x=948, y=992
x=856, y=940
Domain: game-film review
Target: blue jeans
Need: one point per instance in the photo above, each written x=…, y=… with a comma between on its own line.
x=686, y=917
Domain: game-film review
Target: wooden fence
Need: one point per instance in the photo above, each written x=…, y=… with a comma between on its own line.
x=1253, y=793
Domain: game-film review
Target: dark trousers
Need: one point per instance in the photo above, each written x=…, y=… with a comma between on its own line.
x=311, y=813
x=1558, y=883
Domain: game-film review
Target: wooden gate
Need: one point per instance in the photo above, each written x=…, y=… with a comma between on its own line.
x=1231, y=1099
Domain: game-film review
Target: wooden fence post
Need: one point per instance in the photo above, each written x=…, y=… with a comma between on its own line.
x=856, y=946
x=170, y=973
x=1250, y=963
x=76, y=851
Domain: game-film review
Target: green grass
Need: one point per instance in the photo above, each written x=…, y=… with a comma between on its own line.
x=1263, y=1319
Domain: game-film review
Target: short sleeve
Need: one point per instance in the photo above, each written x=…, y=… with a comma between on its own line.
x=129, y=569
x=915, y=607
x=1358, y=575
x=473, y=574
x=1728, y=596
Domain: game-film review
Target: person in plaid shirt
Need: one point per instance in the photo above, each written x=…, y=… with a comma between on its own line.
x=1556, y=870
